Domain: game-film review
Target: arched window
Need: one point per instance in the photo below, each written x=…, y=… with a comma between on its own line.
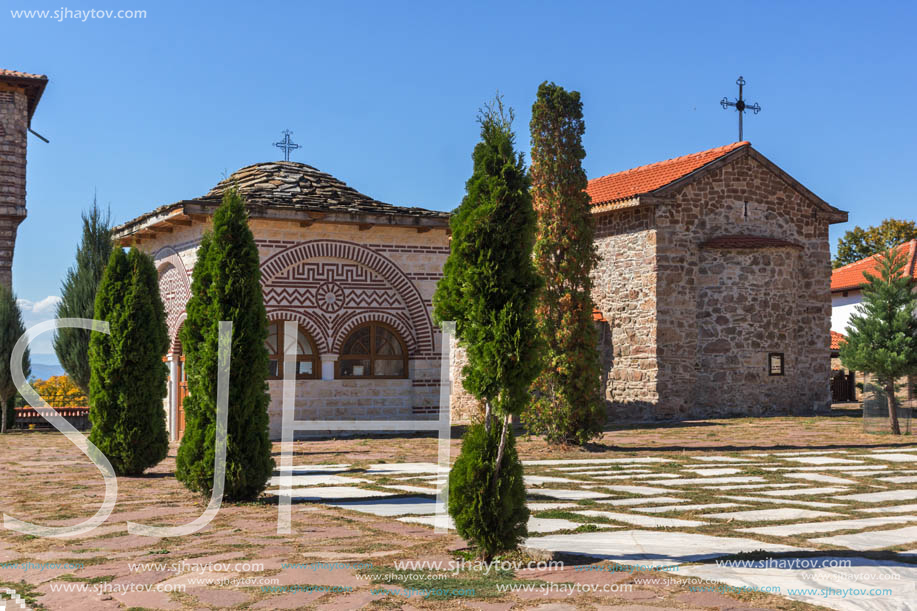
x=373, y=350
x=307, y=364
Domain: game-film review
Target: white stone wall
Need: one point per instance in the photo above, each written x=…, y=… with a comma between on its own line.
x=842, y=308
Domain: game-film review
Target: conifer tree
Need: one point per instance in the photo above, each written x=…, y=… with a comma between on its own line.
x=127, y=382
x=882, y=335
x=11, y=329
x=226, y=287
x=568, y=408
x=488, y=289
x=78, y=294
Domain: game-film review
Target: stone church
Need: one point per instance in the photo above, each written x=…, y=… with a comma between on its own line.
x=712, y=290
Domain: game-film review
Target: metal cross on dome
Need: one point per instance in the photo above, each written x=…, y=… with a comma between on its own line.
x=740, y=105
x=287, y=144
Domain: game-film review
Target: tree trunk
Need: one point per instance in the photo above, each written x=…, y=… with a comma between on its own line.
x=3, y=407
x=500, y=450
x=892, y=408
x=488, y=414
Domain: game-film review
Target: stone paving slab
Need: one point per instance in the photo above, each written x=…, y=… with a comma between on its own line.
x=538, y=480
x=874, y=539
x=648, y=545
x=405, y=467
x=865, y=574
x=706, y=481
x=641, y=501
x=765, y=499
x=804, y=491
x=645, y=490
x=332, y=492
x=706, y=472
x=890, y=509
x=844, y=469
x=414, y=489
x=316, y=480
x=393, y=507
x=724, y=459
x=895, y=450
x=599, y=461
x=805, y=528
x=641, y=520
x=697, y=507
x=892, y=457
x=569, y=495
x=777, y=514
x=820, y=477
x=879, y=497
x=900, y=479
x=539, y=506
x=821, y=460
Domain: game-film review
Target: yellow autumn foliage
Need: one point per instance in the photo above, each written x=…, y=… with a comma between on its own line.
x=60, y=391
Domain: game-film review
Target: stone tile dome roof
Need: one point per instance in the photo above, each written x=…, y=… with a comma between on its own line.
x=300, y=186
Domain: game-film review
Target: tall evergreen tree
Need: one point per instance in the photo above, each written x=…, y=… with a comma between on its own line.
x=226, y=287
x=882, y=335
x=488, y=289
x=127, y=376
x=78, y=294
x=569, y=407
x=11, y=329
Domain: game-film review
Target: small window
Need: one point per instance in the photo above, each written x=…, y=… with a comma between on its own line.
x=373, y=351
x=307, y=366
x=775, y=363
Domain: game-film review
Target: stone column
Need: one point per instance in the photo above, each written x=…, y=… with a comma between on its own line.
x=328, y=361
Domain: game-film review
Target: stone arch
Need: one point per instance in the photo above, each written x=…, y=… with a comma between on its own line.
x=364, y=317
x=174, y=289
x=418, y=332
x=307, y=323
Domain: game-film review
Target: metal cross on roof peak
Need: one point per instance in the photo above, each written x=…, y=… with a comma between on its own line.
x=287, y=144
x=740, y=105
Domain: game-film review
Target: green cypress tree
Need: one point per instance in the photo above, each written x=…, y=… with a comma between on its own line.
x=78, y=294
x=569, y=407
x=882, y=335
x=127, y=382
x=226, y=286
x=488, y=289
x=11, y=329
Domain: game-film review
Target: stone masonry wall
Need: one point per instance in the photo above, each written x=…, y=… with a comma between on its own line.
x=625, y=292
x=721, y=312
x=13, y=132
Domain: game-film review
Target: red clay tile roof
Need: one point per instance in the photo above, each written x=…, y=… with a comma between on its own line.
x=850, y=276
x=648, y=178
x=34, y=85
x=836, y=339
x=17, y=74
x=597, y=316
x=747, y=241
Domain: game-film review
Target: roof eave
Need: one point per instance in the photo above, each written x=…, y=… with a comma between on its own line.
x=34, y=87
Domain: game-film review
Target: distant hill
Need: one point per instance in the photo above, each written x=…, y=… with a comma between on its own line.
x=43, y=371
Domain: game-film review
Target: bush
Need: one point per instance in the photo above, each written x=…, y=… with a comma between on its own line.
x=127, y=381
x=491, y=518
x=226, y=286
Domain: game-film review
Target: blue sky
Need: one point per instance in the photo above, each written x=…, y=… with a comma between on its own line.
x=384, y=94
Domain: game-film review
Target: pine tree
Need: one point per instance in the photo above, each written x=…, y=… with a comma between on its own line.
x=882, y=335
x=488, y=289
x=127, y=381
x=569, y=408
x=11, y=329
x=78, y=294
x=226, y=287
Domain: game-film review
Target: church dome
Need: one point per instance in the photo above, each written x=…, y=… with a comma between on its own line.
x=300, y=186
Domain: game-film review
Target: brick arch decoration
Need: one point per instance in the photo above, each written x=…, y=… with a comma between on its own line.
x=358, y=319
x=419, y=338
x=174, y=290
x=311, y=327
